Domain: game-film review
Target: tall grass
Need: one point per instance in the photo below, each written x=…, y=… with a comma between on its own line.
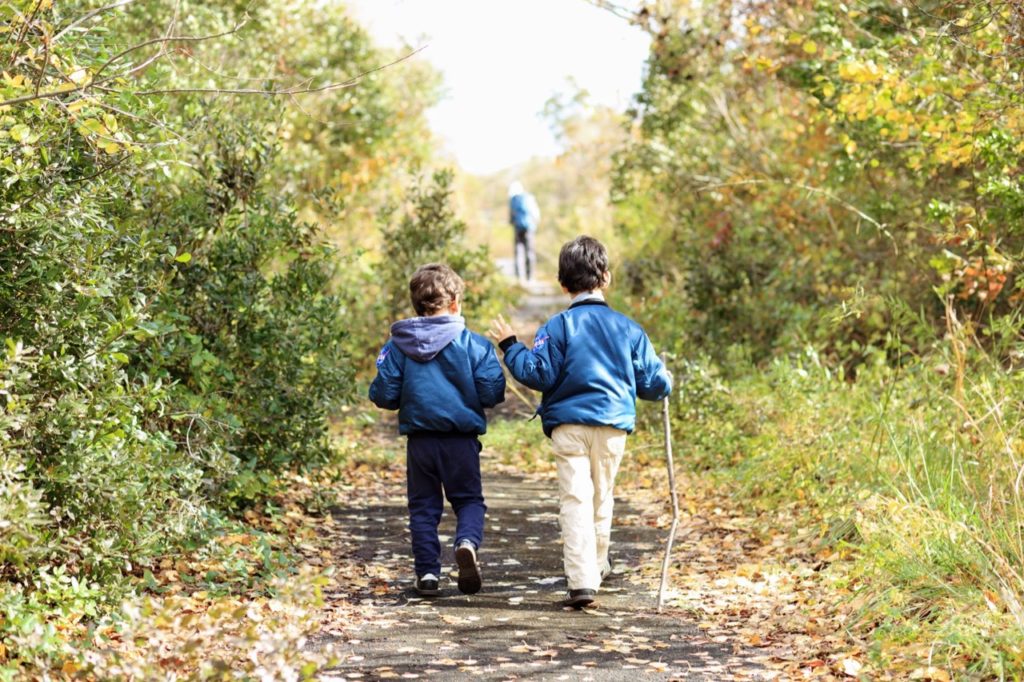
x=918, y=470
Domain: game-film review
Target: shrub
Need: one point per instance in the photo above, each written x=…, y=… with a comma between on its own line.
x=423, y=229
x=173, y=325
x=428, y=230
x=924, y=492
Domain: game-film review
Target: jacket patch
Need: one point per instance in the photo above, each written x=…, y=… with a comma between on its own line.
x=539, y=343
x=383, y=355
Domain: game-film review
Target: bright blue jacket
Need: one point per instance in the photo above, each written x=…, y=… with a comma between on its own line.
x=591, y=363
x=438, y=375
x=523, y=212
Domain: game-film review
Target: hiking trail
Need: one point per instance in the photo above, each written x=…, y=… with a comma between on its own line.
x=515, y=628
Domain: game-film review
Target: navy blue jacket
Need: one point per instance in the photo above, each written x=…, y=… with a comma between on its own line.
x=591, y=363
x=438, y=375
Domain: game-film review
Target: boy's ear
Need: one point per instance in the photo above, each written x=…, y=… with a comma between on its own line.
x=606, y=279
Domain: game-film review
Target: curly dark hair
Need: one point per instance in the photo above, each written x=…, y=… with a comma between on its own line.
x=434, y=287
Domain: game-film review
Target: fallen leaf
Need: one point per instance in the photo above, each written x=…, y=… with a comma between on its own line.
x=851, y=666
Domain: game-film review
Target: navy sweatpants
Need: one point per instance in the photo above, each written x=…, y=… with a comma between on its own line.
x=437, y=466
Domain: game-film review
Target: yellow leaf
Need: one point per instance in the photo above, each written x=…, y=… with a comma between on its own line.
x=20, y=132
x=860, y=72
x=234, y=538
x=92, y=126
x=111, y=147
x=811, y=47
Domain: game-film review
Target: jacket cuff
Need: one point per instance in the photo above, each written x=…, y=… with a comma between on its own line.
x=507, y=343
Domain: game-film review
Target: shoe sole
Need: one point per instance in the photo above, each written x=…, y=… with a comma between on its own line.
x=428, y=593
x=578, y=602
x=469, y=571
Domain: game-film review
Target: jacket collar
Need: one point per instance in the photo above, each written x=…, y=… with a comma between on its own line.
x=596, y=293
x=588, y=297
x=589, y=301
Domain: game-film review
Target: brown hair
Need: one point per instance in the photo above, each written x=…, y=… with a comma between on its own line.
x=434, y=287
x=582, y=264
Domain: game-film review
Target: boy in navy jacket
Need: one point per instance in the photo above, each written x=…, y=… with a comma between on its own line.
x=440, y=376
x=591, y=363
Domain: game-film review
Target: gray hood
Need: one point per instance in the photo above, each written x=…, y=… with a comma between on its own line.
x=422, y=338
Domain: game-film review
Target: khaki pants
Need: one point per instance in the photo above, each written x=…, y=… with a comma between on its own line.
x=588, y=458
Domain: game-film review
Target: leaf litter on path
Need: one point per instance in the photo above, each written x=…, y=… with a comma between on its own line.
x=515, y=625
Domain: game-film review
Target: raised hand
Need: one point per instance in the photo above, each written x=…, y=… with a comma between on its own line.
x=500, y=329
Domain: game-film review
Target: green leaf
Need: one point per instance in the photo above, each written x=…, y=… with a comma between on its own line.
x=183, y=257
x=20, y=132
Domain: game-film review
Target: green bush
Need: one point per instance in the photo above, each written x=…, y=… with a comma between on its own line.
x=428, y=230
x=803, y=161
x=176, y=323
x=923, y=492
x=257, y=362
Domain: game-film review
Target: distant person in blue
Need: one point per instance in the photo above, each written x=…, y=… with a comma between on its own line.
x=524, y=215
x=591, y=363
x=440, y=376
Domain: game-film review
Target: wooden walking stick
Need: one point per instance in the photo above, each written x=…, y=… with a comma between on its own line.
x=675, y=499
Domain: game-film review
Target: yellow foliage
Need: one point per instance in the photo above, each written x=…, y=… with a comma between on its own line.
x=861, y=72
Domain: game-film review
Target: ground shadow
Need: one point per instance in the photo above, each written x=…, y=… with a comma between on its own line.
x=515, y=628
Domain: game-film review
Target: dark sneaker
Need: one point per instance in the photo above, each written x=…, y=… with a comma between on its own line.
x=580, y=598
x=426, y=586
x=469, y=569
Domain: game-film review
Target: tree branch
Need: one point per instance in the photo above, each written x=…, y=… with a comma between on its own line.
x=163, y=40
x=94, y=82
x=618, y=10
x=89, y=15
x=286, y=92
x=881, y=227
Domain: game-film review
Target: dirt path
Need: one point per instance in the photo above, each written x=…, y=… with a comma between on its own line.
x=515, y=628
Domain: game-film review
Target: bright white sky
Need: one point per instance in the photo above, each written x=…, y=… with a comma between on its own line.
x=502, y=59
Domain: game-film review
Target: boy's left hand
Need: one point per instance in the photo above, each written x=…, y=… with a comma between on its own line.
x=500, y=329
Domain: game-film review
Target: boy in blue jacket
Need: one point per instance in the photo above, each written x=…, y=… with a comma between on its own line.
x=440, y=376
x=591, y=363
